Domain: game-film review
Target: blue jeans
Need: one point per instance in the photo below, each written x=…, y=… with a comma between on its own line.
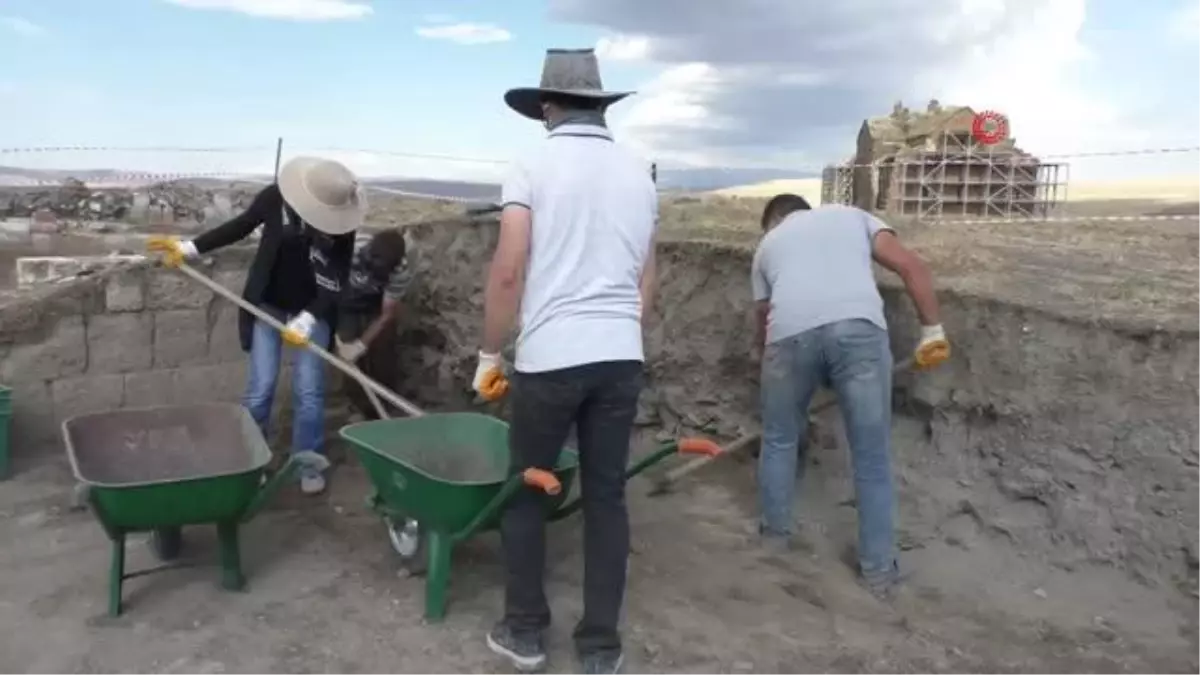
x=308, y=384
x=854, y=358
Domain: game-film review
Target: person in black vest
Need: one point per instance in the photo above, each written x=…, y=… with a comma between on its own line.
x=366, y=332
x=308, y=219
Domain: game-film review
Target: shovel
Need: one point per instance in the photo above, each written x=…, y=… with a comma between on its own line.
x=668, y=480
x=375, y=391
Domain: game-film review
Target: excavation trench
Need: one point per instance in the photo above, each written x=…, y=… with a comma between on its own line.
x=1046, y=475
x=1051, y=463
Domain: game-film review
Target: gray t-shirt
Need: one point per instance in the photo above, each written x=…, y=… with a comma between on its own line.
x=815, y=268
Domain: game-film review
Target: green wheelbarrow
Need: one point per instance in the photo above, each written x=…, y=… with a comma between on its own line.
x=158, y=469
x=440, y=478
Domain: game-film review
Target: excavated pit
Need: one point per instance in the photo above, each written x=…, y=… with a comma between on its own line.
x=1047, y=491
x=1046, y=474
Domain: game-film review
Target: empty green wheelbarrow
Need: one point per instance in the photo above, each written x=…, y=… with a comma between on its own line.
x=440, y=478
x=160, y=468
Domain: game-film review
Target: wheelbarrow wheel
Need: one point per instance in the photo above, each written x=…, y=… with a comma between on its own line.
x=166, y=543
x=408, y=541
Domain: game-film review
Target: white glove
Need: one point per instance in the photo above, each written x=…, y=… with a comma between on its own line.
x=933, y=348
x=490, y=382
x=931, y=333
x=351, y=351
x=188, y=249
x=300, y=329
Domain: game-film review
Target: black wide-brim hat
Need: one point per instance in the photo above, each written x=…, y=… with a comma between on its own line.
x=572, y=72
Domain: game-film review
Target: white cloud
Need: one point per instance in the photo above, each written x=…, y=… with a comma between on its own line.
x=465, y=33
x=623, y=47
x=297, y=10
x=1185, y=22
x=730, y=95
x=1032, y=76
x=22, y=26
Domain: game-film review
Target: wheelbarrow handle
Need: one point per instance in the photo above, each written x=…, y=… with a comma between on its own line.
x=349, y=369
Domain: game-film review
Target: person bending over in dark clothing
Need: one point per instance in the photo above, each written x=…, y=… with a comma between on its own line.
x=367, y=310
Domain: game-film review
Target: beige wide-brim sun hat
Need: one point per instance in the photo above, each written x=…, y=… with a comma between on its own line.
x=324, y=193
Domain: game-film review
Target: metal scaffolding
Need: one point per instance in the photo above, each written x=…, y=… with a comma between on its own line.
x=837, y=182
x=954, y=176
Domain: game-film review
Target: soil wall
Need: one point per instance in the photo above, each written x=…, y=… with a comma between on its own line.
x=1074, y=443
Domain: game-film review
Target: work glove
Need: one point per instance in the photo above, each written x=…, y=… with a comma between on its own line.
x=350, y=351
x=299, y=329
x=173, y=250
x=933, y=348
x=490, y=382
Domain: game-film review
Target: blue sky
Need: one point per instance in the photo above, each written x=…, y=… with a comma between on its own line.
x=147, y=72
x=161, y=72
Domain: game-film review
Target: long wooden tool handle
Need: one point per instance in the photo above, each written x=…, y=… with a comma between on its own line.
x=691, y=465
x=748, y=440
x=347, y=368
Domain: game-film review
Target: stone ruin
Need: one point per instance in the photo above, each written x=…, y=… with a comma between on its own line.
x=927, y=163
x=176, y=203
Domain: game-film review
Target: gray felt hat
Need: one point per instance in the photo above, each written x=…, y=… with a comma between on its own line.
x=574, y=72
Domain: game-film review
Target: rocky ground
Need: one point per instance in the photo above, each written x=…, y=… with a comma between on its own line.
x=326, y=595
x=1046, y=477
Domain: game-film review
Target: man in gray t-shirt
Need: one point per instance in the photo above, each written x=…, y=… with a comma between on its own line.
x=821, y=321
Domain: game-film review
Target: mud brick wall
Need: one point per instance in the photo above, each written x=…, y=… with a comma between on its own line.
x=138, y=335
x=1075, y=441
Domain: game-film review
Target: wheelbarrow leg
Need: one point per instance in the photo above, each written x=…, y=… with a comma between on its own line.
x=231, y=559
x=438, y=575
x=116, y=573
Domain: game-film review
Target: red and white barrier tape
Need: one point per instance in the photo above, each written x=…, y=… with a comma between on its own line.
x=133, y=178
x=116, y=148
x=1052, y=219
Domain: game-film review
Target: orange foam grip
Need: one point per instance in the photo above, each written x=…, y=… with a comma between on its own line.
x=494, y=385
x=543, y=480
x=698, y=446
x=932, y=354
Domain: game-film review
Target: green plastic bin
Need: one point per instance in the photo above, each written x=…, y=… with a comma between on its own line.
x=5, y=425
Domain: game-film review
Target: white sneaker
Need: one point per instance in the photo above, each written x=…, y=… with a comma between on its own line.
x=312, y=483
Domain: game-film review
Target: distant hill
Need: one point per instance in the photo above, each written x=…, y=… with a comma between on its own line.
x=704, y=180
x=698, y=180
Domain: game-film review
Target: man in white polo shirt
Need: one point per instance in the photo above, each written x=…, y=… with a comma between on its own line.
x=575, y=260
x=820, y=321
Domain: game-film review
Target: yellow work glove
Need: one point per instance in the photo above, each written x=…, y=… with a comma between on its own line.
x=490, y=382
x=299, y=329
x=933, y=349
x=173, y=250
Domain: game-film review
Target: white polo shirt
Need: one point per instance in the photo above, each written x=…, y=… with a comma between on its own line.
x=594, y=209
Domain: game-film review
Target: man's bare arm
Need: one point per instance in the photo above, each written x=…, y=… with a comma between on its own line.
x=762, y=311
x=918, y=281
x=390, y=309
x=506, y=277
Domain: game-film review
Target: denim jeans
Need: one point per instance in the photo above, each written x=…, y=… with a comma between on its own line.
x=600, y=400
x=308, y=384
x=853, y=357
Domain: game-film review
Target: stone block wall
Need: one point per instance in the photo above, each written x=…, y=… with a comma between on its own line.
x=136, y=335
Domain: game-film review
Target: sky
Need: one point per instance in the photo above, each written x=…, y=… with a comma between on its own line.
x=727, y=83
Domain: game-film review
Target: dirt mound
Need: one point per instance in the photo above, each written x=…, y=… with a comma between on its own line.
x=1048, y=447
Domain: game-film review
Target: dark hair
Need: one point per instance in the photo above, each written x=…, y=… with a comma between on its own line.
x=781, y=206
x=569, y=102
x=388, y=248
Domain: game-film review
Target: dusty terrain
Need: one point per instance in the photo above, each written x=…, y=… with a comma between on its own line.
x=1047, y=490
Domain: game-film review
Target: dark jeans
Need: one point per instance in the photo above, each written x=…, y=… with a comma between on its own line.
x=380, y=362
x=600, y=399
